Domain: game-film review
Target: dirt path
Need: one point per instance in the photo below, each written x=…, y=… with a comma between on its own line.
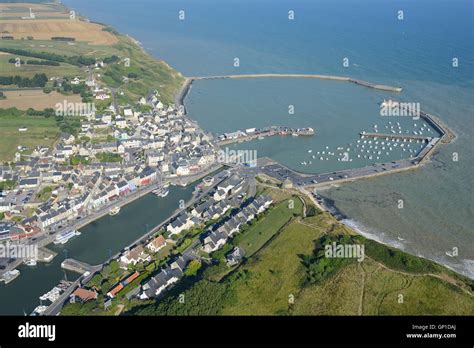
x=360, y=310
x=438, y=276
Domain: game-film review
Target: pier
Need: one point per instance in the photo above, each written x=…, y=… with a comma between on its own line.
x=79, y=266
x=181, y=95
x=393, y=136
x=259, y=133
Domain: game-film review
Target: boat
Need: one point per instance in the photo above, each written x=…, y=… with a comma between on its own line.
x=114, y=211
x=161, y=192
x=39, y=310
x=10, y=276
x=64, y=237
x=30, y=262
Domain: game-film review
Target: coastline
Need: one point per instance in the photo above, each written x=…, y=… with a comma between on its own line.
x=180, y=97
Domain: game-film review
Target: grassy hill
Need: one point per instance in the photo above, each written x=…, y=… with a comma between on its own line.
x=288, y=277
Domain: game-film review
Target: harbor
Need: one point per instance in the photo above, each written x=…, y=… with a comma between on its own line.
x=182, y=93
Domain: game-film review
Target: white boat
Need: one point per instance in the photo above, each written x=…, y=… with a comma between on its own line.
x=30, y=262
x=450, y=253
x=161, y=192
x=64, y=237
x=114, y=211
x=10, y=276
x=39, y=310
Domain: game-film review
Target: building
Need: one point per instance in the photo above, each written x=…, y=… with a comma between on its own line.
x=135, y=256
x=83, y=295
x=234, y=257
x=157, y=244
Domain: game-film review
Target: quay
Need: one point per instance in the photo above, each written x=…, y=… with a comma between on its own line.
x=181, y=95
x=259, y=133
x=393, y=136
x=46, y=255
x=79, y=266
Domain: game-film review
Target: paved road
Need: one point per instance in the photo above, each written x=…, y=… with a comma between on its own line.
x=281, y=172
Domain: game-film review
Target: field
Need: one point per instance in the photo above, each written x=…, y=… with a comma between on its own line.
x=252, y=239
x=24, y=99
x=26, y=70
x=45, y=29
x=41, y=131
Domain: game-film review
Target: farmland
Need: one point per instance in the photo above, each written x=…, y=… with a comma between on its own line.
x=46, y=29
x=24, y=99
x=41, y=131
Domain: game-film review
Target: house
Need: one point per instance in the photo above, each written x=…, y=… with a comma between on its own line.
x=147, y=176
x=156, y=244
x=120, y=122
x=75, y=81
x=234, y=257
x=179, y=264
x=181, y=223
x=128, y=112
x=83, y=295
x=215, y=240
x=28, y=183
x=135, y=256
x=161, y=282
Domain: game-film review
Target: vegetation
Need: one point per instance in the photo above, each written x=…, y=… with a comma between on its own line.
x=76, y=160
x=109, y=157
x=41, y=132
x=38, y=80
x=44, y=194
x=7, y=185
x=255, y=235
x=192, y=268
x=397, y=259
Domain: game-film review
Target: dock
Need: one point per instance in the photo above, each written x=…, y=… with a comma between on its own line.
x=259, y=133
x=46, y=255
x=79, y=266
x=393, y=136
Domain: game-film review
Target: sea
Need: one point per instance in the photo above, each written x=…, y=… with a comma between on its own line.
x=424, y=46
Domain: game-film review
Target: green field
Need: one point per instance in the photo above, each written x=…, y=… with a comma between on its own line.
x=251, y=239
x=26, y=70
x=150, y=73
x=41, y=131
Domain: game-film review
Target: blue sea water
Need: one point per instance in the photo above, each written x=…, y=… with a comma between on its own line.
x=415, y=53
